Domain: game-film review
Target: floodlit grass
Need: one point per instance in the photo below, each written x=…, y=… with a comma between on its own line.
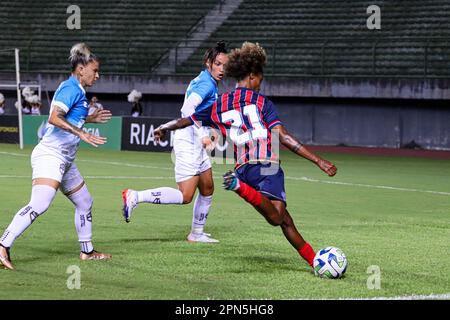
x=404, y=230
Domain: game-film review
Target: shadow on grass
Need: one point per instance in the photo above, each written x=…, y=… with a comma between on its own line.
x=177, y=238
x=268, y=264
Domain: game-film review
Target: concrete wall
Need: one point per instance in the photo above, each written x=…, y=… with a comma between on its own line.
x=368, y=122
x=275, y=87
x=371, y=113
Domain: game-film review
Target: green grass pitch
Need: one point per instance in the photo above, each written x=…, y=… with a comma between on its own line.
x=389, y=212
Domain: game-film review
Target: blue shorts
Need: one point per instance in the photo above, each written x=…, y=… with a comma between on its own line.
x=265, y=178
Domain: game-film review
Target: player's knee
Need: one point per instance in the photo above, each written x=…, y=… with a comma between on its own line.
x=85, y=204
x=207, y=192
x=287, y=221
x=40, y=206
x=187, y=198
x=41, y=198
x=275, y=220
x=81, y=199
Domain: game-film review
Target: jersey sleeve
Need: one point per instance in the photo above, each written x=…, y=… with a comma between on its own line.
x=66, y=98
x=203, y=88
x=202, y=118
x=190, y=104
x=270, y=115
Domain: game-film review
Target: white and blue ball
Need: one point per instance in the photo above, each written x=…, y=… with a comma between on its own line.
x=330, y=262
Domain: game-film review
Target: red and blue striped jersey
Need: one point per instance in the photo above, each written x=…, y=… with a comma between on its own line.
x=246, y=117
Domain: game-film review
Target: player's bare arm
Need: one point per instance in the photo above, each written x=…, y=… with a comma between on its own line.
x=170, y=126
x=99, y=116
x=298, y=148
x=57, y=118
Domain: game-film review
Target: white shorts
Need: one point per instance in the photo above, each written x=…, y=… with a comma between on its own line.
x=50, y=166
x=190, y=160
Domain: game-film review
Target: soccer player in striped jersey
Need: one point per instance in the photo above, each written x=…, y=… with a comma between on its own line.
x=52, y=160
x=250, y=120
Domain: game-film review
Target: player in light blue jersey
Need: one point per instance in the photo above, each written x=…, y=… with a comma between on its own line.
x=192, y=165
x=52, y=160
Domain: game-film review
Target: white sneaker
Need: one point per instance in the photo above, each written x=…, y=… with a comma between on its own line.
x=130, y=202
x=201, y=237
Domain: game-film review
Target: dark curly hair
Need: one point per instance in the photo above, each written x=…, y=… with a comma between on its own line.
x=212, y=53
x=250, y=58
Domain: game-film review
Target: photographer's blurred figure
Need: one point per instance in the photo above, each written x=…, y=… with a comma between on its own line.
x=94, y=105
x=134, y=97
x=35, y=105
x=29, y=96
x=2, y=104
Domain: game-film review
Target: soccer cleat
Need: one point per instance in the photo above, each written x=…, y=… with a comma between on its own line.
x=94, y=255
x=5, y=259
x=230, y=181
x=130, y=203
x=200, y=237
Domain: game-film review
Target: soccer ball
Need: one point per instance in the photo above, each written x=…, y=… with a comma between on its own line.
x=330, y=263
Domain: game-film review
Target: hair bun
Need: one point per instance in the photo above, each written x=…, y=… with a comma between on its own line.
x=221, y=46
x=80, y=49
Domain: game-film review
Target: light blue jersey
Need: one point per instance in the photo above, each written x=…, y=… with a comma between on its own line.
x=70, y=97
x=206, y=87
x=200, y=95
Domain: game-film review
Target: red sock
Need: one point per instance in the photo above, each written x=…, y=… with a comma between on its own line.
x=249, y=194
x=307, y=253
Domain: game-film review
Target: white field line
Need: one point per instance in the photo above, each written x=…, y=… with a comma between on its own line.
x=14, y=154
x=120, y=164
x=444, y=296
x=96, y=177
x=218, y=177
x=367, y=185
x=98, y=162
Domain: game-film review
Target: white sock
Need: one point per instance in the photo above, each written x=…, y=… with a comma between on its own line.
x=164, y=195
x=41, y=198
x=83, y=217
x=200, y=212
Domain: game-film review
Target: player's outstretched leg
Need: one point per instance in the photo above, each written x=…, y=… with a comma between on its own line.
x=41, y=198
x=164, y=195
x=293, y=236
x=274, y=211
x=261, y=203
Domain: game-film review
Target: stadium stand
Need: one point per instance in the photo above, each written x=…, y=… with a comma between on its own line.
x=129, y=36
x=349, y=85
x=303, y=38
x=331, y=38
